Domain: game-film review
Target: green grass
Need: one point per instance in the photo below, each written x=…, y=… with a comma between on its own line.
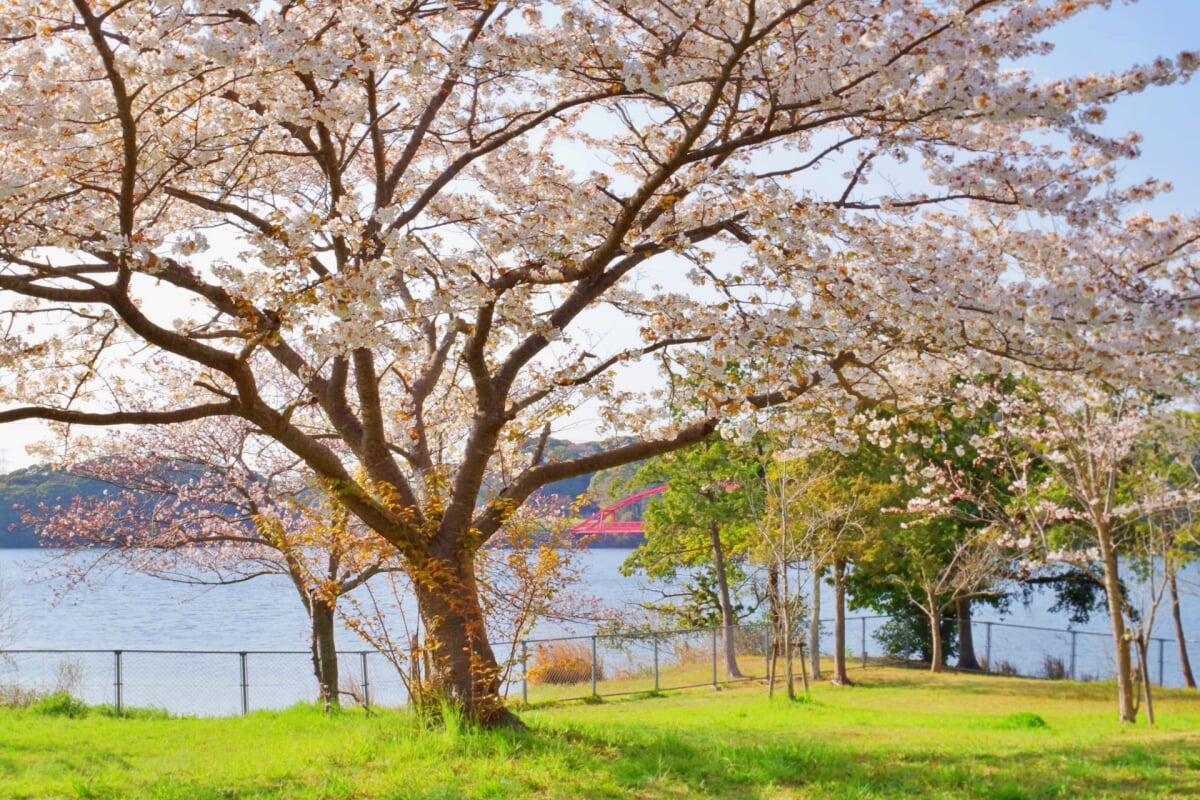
x=897, y=734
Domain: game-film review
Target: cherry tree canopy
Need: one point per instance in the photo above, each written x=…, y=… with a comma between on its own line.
x=401, y=238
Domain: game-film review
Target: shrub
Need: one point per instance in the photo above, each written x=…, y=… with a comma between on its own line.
x=13, y=696
x=1023, y=719
x=1006, y=668
x=562, y=663
x=131, y=712
x=1054, y=668
x=60, y=704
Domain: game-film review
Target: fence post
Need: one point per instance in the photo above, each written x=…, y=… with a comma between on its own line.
x=987, y=658
x=863, y=621
x=524, y=673
x=593, y=665
x=714, y=657
x=656, y=663
x=1074, y=637
x=366, y=681
x=119, y=681
x=245, y=685
x=1160, y=662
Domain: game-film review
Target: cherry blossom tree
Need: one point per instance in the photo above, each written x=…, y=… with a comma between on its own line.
x=1081, y=491
x=209, y=505
x=449, y=224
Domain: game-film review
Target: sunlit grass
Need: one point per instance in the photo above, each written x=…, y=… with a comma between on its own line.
x=898, y=733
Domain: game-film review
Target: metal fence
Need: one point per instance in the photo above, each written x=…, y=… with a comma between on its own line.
x=224, y=683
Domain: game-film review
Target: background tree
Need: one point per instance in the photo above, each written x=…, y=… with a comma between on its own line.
x=841, y=508
x=207, y=505
x=383, y=235
x=1174, y=459
x=700, y=526
x=1088, y=509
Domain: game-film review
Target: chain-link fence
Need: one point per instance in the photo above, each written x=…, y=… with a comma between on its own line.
x=210, y=683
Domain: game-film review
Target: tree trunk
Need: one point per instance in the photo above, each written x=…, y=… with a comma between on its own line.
x=966, y=639
x=1126, y=696
x=839, y=623
x=1184, y=662
x=727, y=620
x=814, y=626
x=465, y=673
x=1144, y=666
x=776, y=627
x=785, y=614
x=937, y=655
x=324, y=648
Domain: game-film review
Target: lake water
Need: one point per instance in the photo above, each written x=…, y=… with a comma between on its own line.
x=132, y=612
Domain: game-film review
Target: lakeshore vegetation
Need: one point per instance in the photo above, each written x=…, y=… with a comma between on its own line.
x=896, y=733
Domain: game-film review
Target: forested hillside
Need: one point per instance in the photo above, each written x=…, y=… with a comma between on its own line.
x=31, y=487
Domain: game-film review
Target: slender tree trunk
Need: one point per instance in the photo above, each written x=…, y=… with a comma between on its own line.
x=465, y=672
x=776, y=627
x=840, y=676
x=937, y=654
x=966, y=639
x=325, y=652
x=785, y=613
x=1126, y=696
x=1184, y=662
x=1144, y=666
x=814, y=626
x=727, y=620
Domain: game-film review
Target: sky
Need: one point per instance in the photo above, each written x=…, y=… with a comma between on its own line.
x=1098, y=40
x=1101, y=41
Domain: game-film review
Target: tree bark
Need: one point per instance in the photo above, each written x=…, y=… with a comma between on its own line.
x=840, y=676
x=937, y=655
x=727, y=620
x=966, y=639
x=465, y=672
x=1126, y=694
x=324, y=647
x=1144, y=666
x=1184, y=662
x=776, y=624
x=814, y=627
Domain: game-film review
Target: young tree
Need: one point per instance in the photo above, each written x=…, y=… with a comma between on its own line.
x=423, y=213
x=1176, y=462
x=840, y=511
x=1080, y=494
x=700, y=525
x=210, y=505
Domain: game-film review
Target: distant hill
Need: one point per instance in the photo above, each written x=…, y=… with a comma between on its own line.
x=33, y=486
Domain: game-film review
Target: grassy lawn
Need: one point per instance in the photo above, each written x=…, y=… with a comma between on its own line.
x=898, y=733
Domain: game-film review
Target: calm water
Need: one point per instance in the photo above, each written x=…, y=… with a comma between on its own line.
x=133, y=611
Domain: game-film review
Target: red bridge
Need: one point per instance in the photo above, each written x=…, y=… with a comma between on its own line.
x=605, y=523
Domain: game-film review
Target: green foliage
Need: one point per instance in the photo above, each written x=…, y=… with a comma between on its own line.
x=60, y=704
x=131, y=712
x=1023, y=720
x=714, y=489
x=906, y=634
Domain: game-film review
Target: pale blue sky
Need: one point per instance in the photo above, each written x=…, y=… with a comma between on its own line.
x=1102, y=40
